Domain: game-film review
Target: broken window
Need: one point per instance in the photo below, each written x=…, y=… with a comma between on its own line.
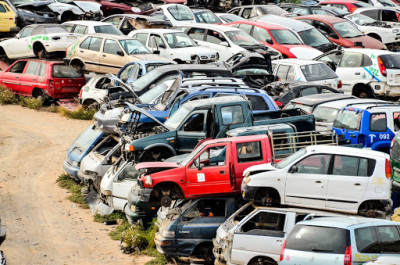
x=205, y=208
x=195, y=123
x=265, y=223
x=249, y=151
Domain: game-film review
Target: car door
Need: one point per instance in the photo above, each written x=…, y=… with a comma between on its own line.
x=122, y=185
x=30, y=79
x=12, y=77
x=263, y=228
x=155, y=42
x=89, y=52
x=219, y=43
x=209, y=171
x=306, y=181
x=20, y=46
x=348, y=181
x=112, y=57
x=192, y=130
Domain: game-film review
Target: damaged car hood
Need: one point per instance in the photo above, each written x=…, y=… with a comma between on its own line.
x=261, y=168
x=142, y=111
x=148, y=165
x=88, y=6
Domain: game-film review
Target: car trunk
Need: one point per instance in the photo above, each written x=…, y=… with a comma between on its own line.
x=65, y=82
x=390, y=63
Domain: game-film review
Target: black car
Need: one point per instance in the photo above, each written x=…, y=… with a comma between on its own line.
x=32, y=13
x=128, y=22
x=284, y=92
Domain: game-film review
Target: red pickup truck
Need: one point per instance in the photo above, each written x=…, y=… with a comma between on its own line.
x=34, y=78
x=215, y=167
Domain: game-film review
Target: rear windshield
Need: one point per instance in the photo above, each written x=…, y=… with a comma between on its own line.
x=318, y=239
x=348, y=119
x=109, y=29
x=390, y=61
x=64, y=71
x=87, y=138
x=315, y=72
x=325, y=114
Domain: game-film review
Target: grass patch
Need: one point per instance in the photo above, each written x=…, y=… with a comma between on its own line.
x=109, y=218
x=32, y=103
x=7, y=96
x=66, y=182
x=52, y=108
x=79, y=114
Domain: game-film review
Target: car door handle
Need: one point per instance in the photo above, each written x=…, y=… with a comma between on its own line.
x=222, y=172
x=318, y=181
x=17, y=77
x=358, y=73
x=357, y=184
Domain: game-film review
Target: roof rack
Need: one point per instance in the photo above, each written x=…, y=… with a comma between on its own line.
x=387, y=105
x=255, y=90
x=370, y=103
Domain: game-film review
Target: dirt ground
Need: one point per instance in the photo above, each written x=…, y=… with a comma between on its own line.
x=43, y=227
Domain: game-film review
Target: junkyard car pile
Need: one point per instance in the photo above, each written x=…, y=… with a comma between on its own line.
x=253, y=142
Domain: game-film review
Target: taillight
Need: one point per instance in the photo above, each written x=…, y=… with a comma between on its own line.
x=382, y=67
x=80, y=93
x=347, y=256
x=282, y=251
x=279, y=104
x=387, y=169
x=339, y=84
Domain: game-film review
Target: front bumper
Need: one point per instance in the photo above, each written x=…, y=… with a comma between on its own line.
x=248, y=192
x=71, y=170
x=133, y=216
x=164, y=245
x=218, y=252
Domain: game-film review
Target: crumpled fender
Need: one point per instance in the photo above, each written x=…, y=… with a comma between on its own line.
x=61, y=8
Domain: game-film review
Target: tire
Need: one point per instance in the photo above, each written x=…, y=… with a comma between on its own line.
x=268, y=197
x=196, y=60
x=262, y=261
x=362, y=91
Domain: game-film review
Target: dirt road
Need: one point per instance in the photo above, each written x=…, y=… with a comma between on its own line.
x=43, y=227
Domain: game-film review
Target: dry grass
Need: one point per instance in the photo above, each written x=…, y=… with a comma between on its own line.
x=79, y=114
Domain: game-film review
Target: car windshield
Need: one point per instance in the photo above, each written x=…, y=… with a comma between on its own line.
x=180, y=12
x=241, y=38
x=87, y=138
x=284, y=36
x=207, y=17
x=65, y=71
x=347, y=30
x=272, y=10
x=317, y=72
x=228, y=18
x=361, y=19
x=152, y=94
x=133, y=47
x=362, y=4
x=306, y=108
x=50, y=30
x=348, y=119
x=390, y=61
x=176, y=118
x=179, y=40
x=314, y=38
x=191, y=155
x=290, y=159
x=325, y=114
x=387, y=3
x=108, y=29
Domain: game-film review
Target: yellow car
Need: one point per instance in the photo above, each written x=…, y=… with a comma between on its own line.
x=8, y=19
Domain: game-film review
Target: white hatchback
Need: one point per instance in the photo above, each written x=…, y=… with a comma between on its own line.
x=345, y=179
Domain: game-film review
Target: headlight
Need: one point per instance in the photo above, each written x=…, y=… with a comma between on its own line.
x=395, y=30
x=133, y=208
x=107, y=192
x=75, y=163
x=136, y=9
x=166, y=233
x=148, y=181
x=247, y=180
x=124, y=118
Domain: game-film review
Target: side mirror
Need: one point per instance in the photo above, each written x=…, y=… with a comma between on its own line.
x=269, y=41
x=293, y=169
x=18, y=36
x=120, y=53
x=156, y=52
x=162, y=46
x=224, y=43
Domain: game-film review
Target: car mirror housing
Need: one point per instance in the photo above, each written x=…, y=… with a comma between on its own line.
x=120, y=53
x=224, y=43
x=293, y=169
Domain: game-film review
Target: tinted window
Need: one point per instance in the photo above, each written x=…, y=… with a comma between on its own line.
x=391, y=61
x=314, y=164
x=389, y=16
x=249, y=151
x=232, y=115
x=390, y=239
x=65, y=71
x=263, y=223
x=315, y=72
x=318, y=239
x=32, y=68
x=112, y=47
x=2, y=9
x=257, y=103
x=18, y=67
x=378, y=122
x=95, y=44
x=367, y=240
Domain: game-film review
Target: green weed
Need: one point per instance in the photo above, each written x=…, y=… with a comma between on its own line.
x=66, y=182
x=109, y=218
x=32, y=103
x=7, y=96
x=79, y=114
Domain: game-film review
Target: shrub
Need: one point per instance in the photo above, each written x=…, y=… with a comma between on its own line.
x=32, y=103
x=7, y=96
x=66, y=182
x=79, y=114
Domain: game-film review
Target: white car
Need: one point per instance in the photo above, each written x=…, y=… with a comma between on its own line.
x=381, y=3
x=174, y=45
x=90, y=27
x=344, y=179
x=227, y=41
x=366, y=72
x=375, y=29
x=388, y=15
x=37, y=40
x=228, y=18
x=305, y=70
x=176, y=14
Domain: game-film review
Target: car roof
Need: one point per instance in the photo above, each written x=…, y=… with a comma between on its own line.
x=226, y=89
x=295, y=61
x=87, y=23
x=285, y=22
x=237, y=139
x=326, y=18
x=211, y=26
x=212, y=101
x=345, y=150
x=368, y=51
x=320, y=98
x=110, y=36
x=160, y=31
x=41, y=61
x=345, y=222
x=137, y=16
x=338, y=104
x=339, y=2
x=375, y=107
x=260, y=24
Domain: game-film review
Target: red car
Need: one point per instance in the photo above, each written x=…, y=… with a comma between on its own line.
x=277, y=37
x=341, y=32
x=34, y=78
x=349, y=5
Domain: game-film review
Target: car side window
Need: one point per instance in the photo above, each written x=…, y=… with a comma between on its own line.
x=261, y=34
x=333, y=57
x=390, y=239
x=265, y=223
x=235, y=11
x=85, y=43
x=155, y=41
x=351, y=59
x=249, y=152
x=141, y=37
x=389, y=16
x=290, y=74
x=206, y=208
x=299, y=10
x=196, y=34
x=282, y=72
x=128, y=173
x=112, y=47
x=367, y=240
x=366, y=61
x=114, y=20
x=125, y=73
x=32, y=68
x=373, y=13
x=323, y=27
x=247, y=13
x=127, y=25
x=26, y=32
x=194, y=124
x=214, y=37
x=396, y=121
x=18, y=68
x=245, y=27
x=257, y=102
x=309, y=91
x=346, y=165
x=42, y=69
x=212, y=157
x=95, y=44
x=2, y=9
x=378, y=122
x=314, y=164
x=80, y=29
x=232, y=115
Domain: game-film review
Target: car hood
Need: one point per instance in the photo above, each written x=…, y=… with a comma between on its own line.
x=142, y=111
x=197, y=50
x=88, y=6
x=148, y=165
x=304, y=52
x=149, y=57
x=368, y=42
x=262, y=167
x=61, y=7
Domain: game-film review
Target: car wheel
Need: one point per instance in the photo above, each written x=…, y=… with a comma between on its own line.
x=42, y=54
x=196, y=60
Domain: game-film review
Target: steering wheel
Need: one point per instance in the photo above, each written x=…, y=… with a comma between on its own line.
x=181, y=44
x=136, y=50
